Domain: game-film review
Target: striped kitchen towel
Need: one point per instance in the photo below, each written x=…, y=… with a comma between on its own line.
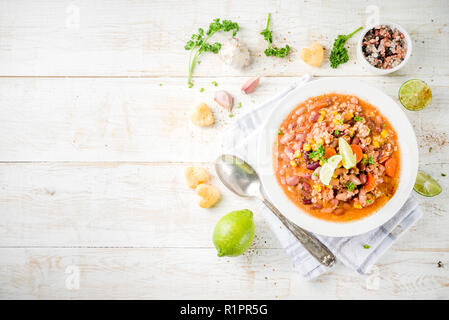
x=359, y=252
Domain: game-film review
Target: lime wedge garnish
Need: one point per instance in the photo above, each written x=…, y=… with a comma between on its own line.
x=349, y=159
x=328, y=169
x=426, y=185
x=415, y=94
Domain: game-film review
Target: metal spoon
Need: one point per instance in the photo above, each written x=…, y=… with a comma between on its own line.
x=239, y=177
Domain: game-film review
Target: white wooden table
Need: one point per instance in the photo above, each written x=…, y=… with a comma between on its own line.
x=95, y=136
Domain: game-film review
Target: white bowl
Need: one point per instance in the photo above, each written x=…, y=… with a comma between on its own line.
x=388, y=108
x=361, y=57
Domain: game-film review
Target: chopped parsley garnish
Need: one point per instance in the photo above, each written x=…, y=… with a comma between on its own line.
x=273, y=51
x=279, y=132
x=443, y=174
x=358, y=118
x=430, y=149
x=370, y=160
x=215, y=83
x=336, y=132
x=318, y=153
x=239, y=105
x=363, y=161
x=202, y=89
x=160, y=84
x=369, y=201
x=230, y=115
x=350, y=186
x=365, y=246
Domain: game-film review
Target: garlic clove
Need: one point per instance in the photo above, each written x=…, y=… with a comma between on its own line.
x=224, y=99
x=250, y=85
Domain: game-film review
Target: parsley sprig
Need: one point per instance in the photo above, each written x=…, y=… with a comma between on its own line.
x=273, y=51
x=318, y=153
x=350, y=186
x=339, y=53
x=198, y=43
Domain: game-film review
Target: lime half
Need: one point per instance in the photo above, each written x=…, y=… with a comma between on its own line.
x=426, y=185
x=415, y=94
x=349, y=159
x=327, y=170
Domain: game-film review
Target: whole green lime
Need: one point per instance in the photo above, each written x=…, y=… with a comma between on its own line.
x=234, y=233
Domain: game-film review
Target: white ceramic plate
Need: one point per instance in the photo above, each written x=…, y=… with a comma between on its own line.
x=407, y=146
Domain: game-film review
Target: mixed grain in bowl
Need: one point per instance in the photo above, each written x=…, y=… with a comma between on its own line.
x=384, y=46
x=312, y=135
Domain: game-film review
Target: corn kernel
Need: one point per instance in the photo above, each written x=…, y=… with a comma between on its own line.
x=293, y=163
x=357, y=206
x=384, y=133
x=368, y=140
x=317, y=187
x=321, y=162
x=376, y=144
x=297, y=154
x=306, y=147
x=365, y=156
x=351, y=115
x=334, y=176
x=321, y=118
x=323, y=112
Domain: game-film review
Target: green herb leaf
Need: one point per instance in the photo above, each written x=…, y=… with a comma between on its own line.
x=198, y=42
x=318, y=153
x=365, y=246
x=336, y=132
x=350, y=186
x=279, y=132
x=371, y=160
x=271, y=50
x=357, y=118
x=339, y=53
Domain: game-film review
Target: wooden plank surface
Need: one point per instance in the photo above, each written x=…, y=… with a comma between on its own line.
x=146, y=38
x=95, y=135
x=154, y=273
x=145, y=205
x=139, y=120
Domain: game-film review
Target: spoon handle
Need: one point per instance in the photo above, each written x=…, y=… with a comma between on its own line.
x=318, y=250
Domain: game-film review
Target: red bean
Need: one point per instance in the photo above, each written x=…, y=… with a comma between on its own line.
x=292, y=180
x=287, y=138
x=306, y=201
x=362, y=197
x=339, y=212
x=314, y=116
x=313, y=165
x=363, y=178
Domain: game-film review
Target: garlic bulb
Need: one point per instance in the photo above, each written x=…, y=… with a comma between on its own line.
x=235, y=54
